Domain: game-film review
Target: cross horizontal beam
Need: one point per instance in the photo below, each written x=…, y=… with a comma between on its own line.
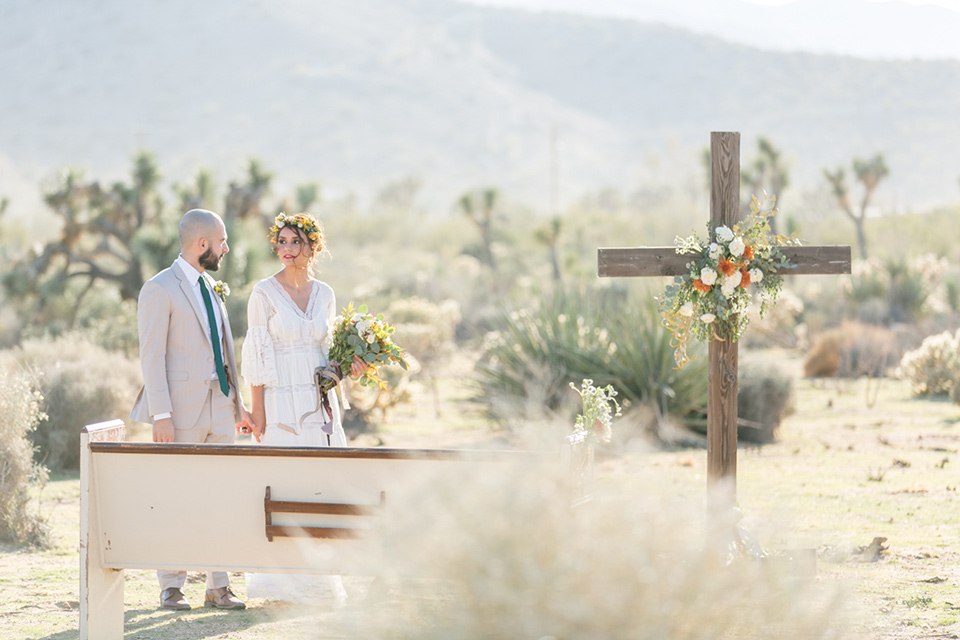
x=618, y=262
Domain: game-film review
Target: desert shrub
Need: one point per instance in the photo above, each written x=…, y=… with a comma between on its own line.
x=852, y=350
x=20, y=413
x=764, y=398
x=934, y=367
x=895, y=289
x=426, y=331
x=780, y=327
x=514, y=560
x=526, y=367
x=81, y=384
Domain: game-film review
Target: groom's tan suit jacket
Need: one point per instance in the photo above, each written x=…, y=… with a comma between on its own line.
x=176, y=355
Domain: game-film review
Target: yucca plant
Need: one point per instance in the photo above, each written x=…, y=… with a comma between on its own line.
x=528, y=364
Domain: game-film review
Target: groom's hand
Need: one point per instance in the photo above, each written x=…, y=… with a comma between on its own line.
x=163, y=430
x=245, y=426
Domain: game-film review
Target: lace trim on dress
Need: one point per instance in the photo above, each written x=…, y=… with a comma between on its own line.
x=289, y=300
x=259, y=367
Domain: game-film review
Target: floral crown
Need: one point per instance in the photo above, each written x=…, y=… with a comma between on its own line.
x=302, y=221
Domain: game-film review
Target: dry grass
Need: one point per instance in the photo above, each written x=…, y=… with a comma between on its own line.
x=812, y=489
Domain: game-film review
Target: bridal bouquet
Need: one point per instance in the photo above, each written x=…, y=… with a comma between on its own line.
x=357, y=332
x=712, y=299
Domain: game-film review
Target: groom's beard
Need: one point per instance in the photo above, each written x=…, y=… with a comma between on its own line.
x=209, y=260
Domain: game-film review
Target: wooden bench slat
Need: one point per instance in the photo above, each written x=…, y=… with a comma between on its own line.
x=281, y=531
x=327, y=508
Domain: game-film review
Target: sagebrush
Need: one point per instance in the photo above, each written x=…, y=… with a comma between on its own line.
x=20, y=414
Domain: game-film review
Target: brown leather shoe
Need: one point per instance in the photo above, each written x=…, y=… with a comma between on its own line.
x=222, y=598
x=173, y=598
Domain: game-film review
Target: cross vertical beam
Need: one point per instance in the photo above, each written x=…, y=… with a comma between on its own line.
x=723, y=355
x=722, y=369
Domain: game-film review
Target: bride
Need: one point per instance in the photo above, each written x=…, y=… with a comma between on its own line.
x=290, y=330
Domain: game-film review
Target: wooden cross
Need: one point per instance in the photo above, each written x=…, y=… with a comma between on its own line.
x=665, y=261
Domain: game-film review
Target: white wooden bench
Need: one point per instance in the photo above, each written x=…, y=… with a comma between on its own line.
x=246, y=508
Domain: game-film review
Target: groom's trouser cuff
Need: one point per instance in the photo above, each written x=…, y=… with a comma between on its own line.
x=176, y=579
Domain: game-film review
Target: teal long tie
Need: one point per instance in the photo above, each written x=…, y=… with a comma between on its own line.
x=214, y=338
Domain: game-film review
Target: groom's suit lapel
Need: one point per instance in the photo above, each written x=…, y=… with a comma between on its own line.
x=187, y=288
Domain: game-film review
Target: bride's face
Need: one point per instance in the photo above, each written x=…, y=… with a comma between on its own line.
x=293, y=249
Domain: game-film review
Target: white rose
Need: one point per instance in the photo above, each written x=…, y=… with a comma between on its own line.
x=714, y=251
x=687, y=309
x=732, y=281
x=371, y=338
x=708, y=276
x=724, y=234
x=737, y=247
x=756, y=276
x=726, y=292
x=707, y=318
x=281, y=224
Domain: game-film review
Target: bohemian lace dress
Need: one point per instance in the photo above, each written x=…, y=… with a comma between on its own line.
x=283, y=347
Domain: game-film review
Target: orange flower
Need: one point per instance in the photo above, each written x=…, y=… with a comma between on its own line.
x=748, y=253
x=744, y=278
x=727, y=267
x=699, y=286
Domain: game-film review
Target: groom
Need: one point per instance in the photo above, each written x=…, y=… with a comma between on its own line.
x=190, y=391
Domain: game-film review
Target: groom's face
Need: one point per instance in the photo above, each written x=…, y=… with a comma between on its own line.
x=217, y=248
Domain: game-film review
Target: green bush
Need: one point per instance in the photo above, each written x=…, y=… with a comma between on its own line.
x=20, y=410
x=934, y=367
x=764, y=398
x=526, y=367
x=82, y=383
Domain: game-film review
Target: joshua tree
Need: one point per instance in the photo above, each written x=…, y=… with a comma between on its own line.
x=869, y=173
x=106, y=235
x=766, y=172
x=481, y=214
x=243, y=199
x=549, y=236
x=307, y=194
x=198, y=195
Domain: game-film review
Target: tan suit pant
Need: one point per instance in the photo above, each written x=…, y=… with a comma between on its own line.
x=215, y=425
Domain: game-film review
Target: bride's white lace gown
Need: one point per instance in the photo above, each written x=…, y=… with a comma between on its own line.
x=283, y=347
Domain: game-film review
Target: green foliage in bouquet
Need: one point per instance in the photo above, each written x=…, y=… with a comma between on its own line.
x=710, y=302
x=360, y=333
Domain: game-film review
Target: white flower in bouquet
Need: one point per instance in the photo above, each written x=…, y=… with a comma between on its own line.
x=714, y=251
x=737, y=246
x=724, y=233
x=687, y=309
x=732, y=281
x=707, y=318
x=756, y=276
x=708, y=275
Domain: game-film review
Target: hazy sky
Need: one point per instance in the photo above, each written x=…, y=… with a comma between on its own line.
x=864, y=28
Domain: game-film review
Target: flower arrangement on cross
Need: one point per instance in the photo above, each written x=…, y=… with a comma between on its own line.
x=711, y=300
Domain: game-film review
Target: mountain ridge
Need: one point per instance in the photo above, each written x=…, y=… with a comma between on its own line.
x=357, y=93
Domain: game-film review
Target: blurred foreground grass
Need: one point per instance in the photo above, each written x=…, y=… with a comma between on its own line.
x=855, y=462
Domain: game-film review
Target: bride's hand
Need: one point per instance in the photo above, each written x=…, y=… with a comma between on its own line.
x=358, y=367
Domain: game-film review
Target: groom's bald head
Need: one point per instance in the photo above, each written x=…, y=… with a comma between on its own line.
x=196, y=224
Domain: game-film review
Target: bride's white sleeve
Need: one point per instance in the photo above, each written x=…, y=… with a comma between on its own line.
x=258, y=365
x=331, y=318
